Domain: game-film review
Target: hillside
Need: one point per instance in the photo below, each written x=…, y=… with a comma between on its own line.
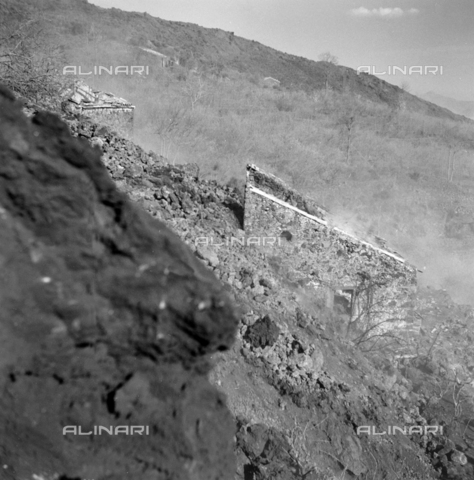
x=296, y=385
x=384, y=162
x=113, y=312
x=82, y=25
x=295, y=382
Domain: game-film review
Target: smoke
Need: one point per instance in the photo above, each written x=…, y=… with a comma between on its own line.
x=404, y=209
x=443, y=263
x=448, y=268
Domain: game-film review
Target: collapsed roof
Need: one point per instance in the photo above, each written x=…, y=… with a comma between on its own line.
x=86, y=97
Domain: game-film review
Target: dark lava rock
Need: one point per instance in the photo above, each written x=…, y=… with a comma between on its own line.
x=262, y=333
x=107, y=319
x=268, y=454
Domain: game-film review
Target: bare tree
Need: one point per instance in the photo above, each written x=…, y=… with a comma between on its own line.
x=30, y=61
x=169, y=126
x=460, y=382
x=300, y=452
x=331, y=61
x=371, y=325
x=328, y=57
x=453, y=150
x=405, y=86
x=348, y=121
x=196, y=89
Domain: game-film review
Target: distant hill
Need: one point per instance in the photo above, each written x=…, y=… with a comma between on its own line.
x=81, y=24
x=461, y=107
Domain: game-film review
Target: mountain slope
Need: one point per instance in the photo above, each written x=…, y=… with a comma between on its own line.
x=80, y=23
x=371, y=154
x=461, y=107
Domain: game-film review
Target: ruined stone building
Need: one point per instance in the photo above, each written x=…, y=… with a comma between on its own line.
x=364, y=281
x=271, y=82
x=101, y=107
x=159, y=58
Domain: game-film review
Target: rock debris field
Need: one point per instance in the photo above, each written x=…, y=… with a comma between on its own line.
x=115, y=312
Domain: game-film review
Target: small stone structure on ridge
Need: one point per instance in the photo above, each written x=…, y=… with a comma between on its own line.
x=101, y=107
x=162, y=59
x=365, y=282
x=271, y=82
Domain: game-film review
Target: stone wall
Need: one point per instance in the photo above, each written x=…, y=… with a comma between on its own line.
x=101, y=107
x=276, y=187
x=158, y=58
x=367, y=283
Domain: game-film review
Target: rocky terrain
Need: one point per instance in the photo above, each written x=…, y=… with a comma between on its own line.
x=109, y=319
x=296, y=387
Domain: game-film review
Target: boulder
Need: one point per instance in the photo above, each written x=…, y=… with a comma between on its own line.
x=262, y=333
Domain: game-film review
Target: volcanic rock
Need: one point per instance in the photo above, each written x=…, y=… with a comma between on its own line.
x=107, y=319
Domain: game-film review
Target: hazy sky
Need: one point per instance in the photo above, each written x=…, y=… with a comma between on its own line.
x=375, y=33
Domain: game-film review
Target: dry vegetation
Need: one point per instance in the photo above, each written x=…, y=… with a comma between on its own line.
x=379, y=166
x=30, y=57
x=390, y=172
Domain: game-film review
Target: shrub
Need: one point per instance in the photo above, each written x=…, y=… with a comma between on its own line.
x=77, y=28
x=30, y=61
x=283, y=104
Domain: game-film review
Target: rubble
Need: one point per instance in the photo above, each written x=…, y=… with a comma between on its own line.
x=294, y=377
x=102, y=107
